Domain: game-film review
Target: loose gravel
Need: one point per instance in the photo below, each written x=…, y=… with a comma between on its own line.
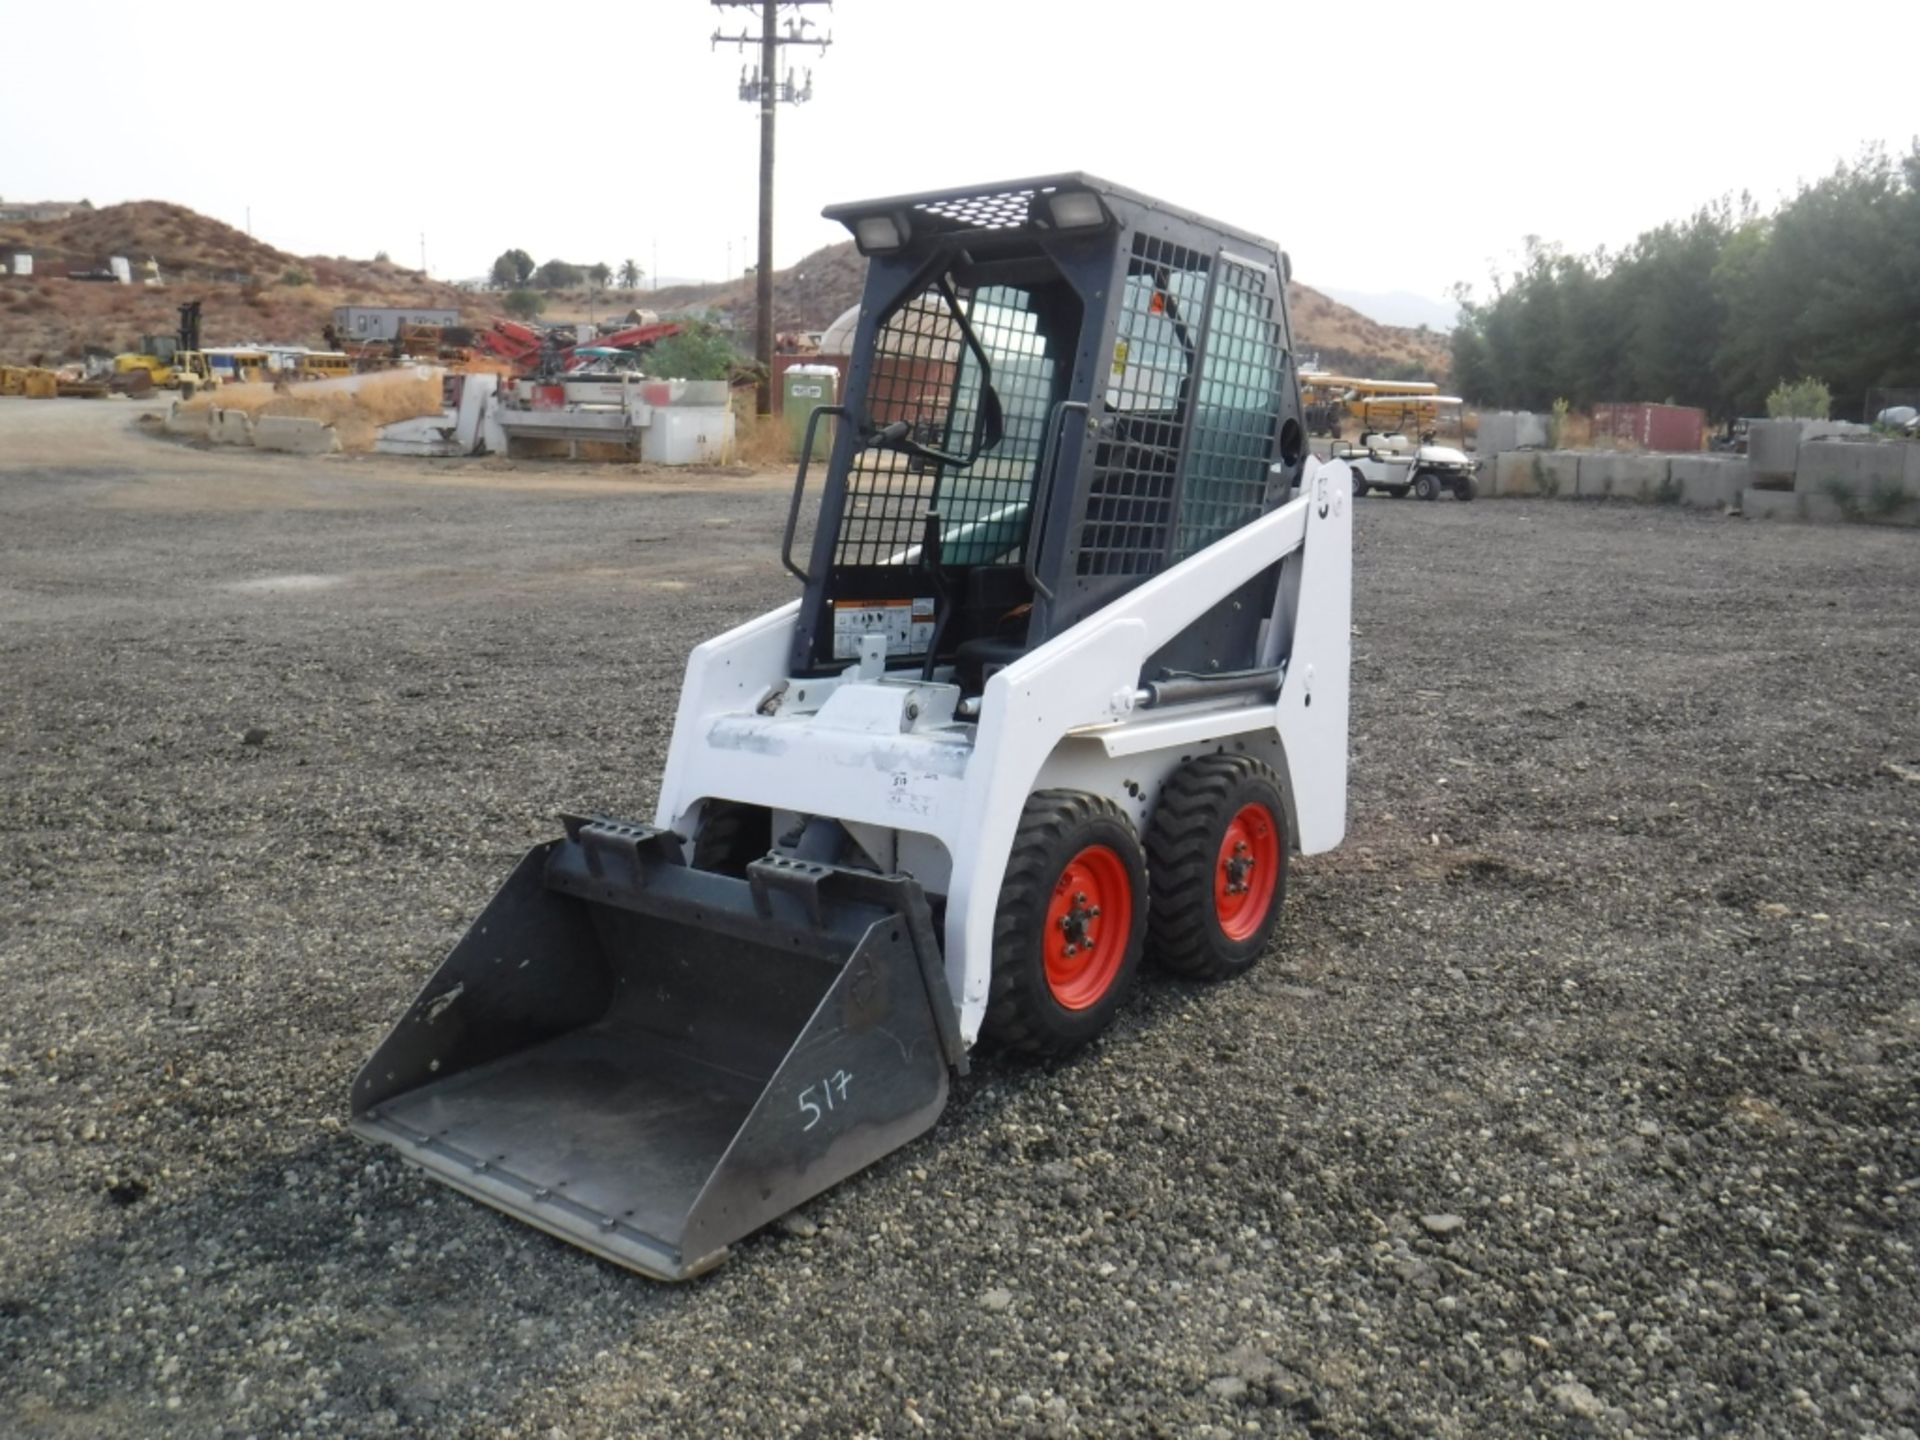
x=1579, y=1098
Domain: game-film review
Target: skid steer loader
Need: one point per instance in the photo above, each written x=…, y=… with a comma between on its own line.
x=1065, y=682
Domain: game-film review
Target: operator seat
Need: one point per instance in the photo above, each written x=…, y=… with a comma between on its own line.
x=975, y=660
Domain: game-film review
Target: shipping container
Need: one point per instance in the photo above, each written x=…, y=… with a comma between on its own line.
x=383, y=322
x=1650, y=427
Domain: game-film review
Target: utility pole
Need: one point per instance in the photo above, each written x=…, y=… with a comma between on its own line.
x=765, y=88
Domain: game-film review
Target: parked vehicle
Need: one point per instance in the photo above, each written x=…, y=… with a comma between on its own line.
x=1400, y=467
x=1334, y=401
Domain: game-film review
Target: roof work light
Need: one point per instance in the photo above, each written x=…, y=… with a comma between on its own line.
x=879, y=234
x=1075, y=210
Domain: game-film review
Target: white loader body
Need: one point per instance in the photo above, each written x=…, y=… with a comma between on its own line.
x=1066, y=683
x=937, y=796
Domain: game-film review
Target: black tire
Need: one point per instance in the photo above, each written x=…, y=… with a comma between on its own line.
x=1464, y=489
x=732, y=836
x=1186, y=847
x=1024, y=1008
x=1426, y=487
x=1359, y=485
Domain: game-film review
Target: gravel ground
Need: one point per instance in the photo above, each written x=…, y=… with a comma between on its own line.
x=1579, y=1097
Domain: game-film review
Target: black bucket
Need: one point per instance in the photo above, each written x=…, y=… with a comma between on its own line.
x=652, y=1061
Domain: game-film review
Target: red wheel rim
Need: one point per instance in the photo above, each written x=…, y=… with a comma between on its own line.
x=1246, y=871
x=1088, y=922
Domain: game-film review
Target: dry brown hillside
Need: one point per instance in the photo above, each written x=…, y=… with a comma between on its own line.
x=810, y=294
x=252, y=292
x=1347, y=342
x=249, y=290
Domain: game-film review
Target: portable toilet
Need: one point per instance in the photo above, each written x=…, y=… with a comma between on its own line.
x=802, y=389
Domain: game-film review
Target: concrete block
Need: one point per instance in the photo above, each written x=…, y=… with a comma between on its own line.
x=422, y=435
x=1773, y=448
x=1842, y=467
x=1786, y=505
x=1833, y=430
x=230, y=427
x=1533, y=472
x=1510, y=472
x=295, y=435
x=1884, y=509
x=1622, y=477
x=1708, y=482
x=1559, y=473
x=493, y=439
x=191, y=423
x=1506, y=430
x=476, y=396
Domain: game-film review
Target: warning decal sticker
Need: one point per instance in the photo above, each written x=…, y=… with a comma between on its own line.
x=907, y=624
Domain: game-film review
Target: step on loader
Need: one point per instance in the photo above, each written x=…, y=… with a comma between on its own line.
x=1065, y=684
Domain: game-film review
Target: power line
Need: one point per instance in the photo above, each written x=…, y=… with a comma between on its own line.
x=762, y=85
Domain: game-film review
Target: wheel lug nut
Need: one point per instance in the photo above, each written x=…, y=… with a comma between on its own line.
x=1094, y=913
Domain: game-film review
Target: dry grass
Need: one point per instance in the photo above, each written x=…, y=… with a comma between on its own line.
x=356, y=407
x=761, y=441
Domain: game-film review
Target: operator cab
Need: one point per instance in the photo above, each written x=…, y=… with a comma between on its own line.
x=1058, y=389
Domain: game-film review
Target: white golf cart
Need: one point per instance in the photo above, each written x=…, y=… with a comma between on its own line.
x=1385, y=459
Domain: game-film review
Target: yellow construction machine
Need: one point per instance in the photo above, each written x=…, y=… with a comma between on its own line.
x=176, y=361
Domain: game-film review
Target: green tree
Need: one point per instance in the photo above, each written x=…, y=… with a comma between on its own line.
x=558, y=275
x=524, y=304
x=1712, y=310
x=600, y=273
x=629, y=275
x=512, y=267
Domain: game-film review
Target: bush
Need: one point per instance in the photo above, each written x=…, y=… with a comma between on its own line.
x=698, y=352
x=294, y=275
x=523, y=304
x=1802, y=399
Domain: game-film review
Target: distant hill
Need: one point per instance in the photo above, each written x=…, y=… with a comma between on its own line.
x=253, y=292
x=1400, y=308
x=243, y=283
x=809, y=295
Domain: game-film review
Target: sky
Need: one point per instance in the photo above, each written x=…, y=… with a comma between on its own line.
x=1388, y=147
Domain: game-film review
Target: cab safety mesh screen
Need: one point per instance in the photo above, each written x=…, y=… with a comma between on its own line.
x=926, y=376
x=1129, y=514
x=1237, y=408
